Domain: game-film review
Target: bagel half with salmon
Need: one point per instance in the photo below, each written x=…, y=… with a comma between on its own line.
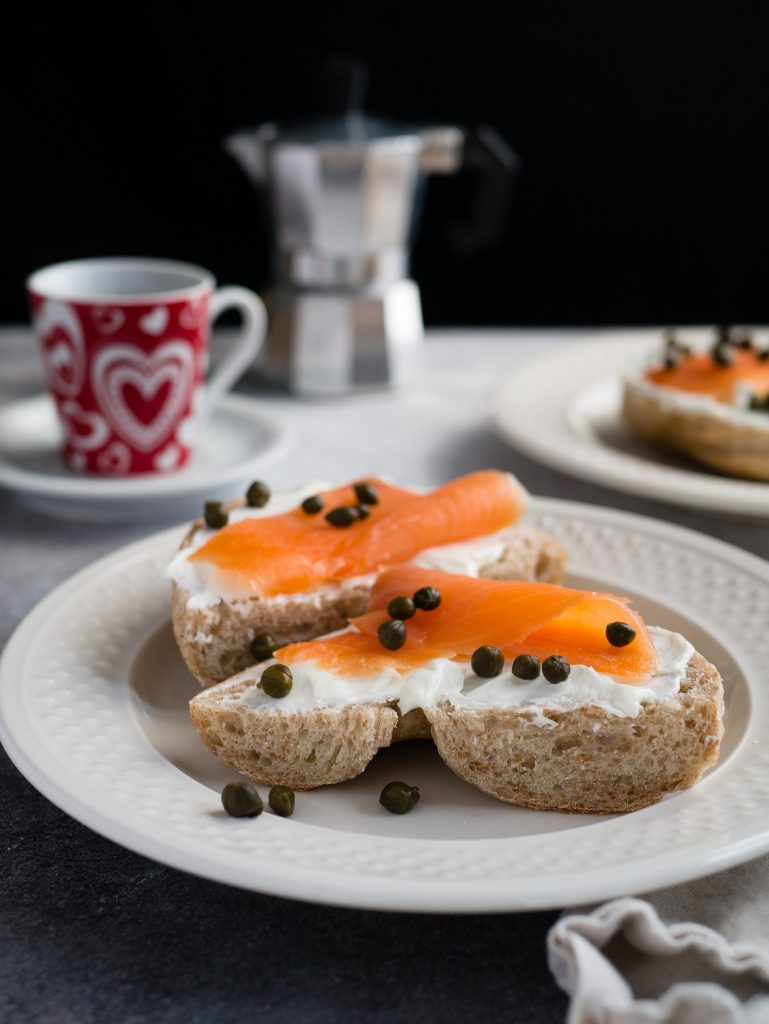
x=296, y=575
x=539, y=695
x=711, y=405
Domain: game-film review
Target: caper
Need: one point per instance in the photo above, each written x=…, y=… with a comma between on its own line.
x=345, y=515
x=526, y=666
x=392, y=634
x=312, y=505
x=620, y=634
x=722, y=356
x=763, y=355
x=215, y=515
x=487, y=661
x=276, y=681
x=363, y=511
x=401, y=608
x=427, y=598
x=366, y=493
x=556, y=669
x=262, y=646
x=744, y=341
x=398, y=797
x=282, y=800
x=670, y=362
x=724, y=334
x=241, y=800
x=258, y=494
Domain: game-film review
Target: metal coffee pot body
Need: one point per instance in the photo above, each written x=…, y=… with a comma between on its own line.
x=342, y=197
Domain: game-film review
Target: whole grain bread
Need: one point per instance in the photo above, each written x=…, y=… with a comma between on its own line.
x=588, y=760
x=580, y=760
x=734, y=448
x=214, y=640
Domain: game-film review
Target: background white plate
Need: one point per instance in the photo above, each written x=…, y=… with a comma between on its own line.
x=563, y=409
x=93, y=711
x=237, y=439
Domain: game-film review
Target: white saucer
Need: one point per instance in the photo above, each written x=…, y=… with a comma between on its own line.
x=237, y=440
x=563, y=409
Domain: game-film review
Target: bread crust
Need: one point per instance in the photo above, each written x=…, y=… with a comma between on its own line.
x=734, y=448
x=300, y=750
x=588, y=761
x=214, y=641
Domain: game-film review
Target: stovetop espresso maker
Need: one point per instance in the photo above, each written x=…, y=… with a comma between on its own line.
x=342, y=194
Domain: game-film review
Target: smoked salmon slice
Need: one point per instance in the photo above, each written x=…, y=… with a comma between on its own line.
x=520, y=618
x=700, y=374
x=295, y=552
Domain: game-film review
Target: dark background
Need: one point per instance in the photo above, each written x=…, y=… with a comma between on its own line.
x=643, y=131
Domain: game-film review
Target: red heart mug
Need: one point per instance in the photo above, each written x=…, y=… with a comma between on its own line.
x=125, y=347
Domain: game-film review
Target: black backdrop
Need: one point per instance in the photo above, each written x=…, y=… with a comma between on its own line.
x=644, y=134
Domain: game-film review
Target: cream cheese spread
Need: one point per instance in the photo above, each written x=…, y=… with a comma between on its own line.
x=442, y=679
x=674, y=399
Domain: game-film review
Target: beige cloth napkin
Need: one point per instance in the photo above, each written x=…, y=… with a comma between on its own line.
x=694, y=954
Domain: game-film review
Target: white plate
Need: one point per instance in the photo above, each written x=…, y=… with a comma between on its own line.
x=237, y=440
x=563, y=409
x=93, y=711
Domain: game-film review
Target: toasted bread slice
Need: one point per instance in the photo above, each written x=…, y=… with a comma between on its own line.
x=738, y=448
x=214, y=640
x=586, y=760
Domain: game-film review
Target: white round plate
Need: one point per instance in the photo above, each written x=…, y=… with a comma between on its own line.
x=93, y=710
x=237, y=440
x=563, y=409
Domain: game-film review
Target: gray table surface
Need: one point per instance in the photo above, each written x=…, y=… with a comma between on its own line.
x=92, y=932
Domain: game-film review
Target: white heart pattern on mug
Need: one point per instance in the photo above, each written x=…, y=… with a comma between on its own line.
x=115, y=459
x=154, y=322
x=119, y=366
x=167, y=459
x=84, y=430
x=61, y=340
x=189, y=316
x=107, y=319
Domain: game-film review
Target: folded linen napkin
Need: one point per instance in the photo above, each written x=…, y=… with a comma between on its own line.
x=694, y=954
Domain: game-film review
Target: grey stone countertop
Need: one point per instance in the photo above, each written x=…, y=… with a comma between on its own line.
x=91, y=932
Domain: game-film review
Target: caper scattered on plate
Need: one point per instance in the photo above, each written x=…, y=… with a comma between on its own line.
x=345, y=515
x=215, y=515
x=763, y=355
x=392, y=634
x=401, y=608
x=487, y=661
x=620, y=634
x=263, y=646
x=282, y=800
x=398, y=797
x=556, y=669
x=363, y=511
x=241, y=800
x=366, y=493
x=312, y=505
x=258, y=494
x=276, y=681
x=427, y=599
x=526, y=666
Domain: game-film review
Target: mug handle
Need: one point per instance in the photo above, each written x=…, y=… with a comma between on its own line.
x=245, y=348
